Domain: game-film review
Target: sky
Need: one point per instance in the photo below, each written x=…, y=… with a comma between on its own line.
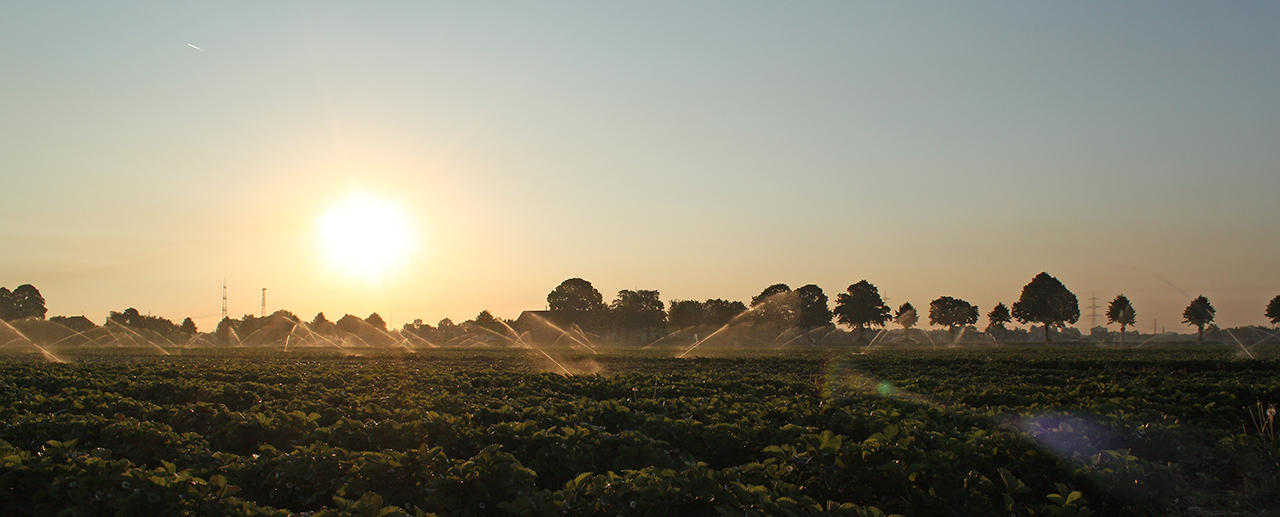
x=151, y=151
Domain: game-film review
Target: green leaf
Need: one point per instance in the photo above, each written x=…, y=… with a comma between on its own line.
x=1011, y=483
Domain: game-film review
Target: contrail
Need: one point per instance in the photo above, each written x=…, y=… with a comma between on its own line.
x=1184, y=293
x=195, y=47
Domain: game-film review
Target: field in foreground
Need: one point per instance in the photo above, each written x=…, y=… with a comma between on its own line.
x=1035, y=431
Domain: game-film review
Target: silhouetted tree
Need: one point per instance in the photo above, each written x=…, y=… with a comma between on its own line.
x=640, y=311
x=361, y=330
x=133, y=319
x=486, y=321
x=1273, y=311
x=861, y=306
x=685, y=313
x=349, y=323
x=27, y=302
x=376, y=321
x=321, y=325
x=952, y=313
x=287, y=316
x=719, y=312
x=420, y=329
x=248, y=325
x=906, y=317
x=272, y=329
x=1045, y=300
x=188, y=326
x=446, y=330
x=129, y=317
x=226, y=331
x=7, y=312
x=1122, y=312
x=1200, y=314
x=775, y=308
x=997, y=318
x=769, y=292
x=814, y=311
x=576, y=302
x=714, y=312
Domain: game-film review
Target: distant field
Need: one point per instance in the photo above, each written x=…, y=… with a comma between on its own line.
x=1157, y=430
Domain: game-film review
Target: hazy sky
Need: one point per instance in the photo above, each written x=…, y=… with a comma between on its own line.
x=702, y=149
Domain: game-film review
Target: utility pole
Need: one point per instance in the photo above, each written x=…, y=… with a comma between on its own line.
x=264, y=302
x=224, y=298
x=1093, y=310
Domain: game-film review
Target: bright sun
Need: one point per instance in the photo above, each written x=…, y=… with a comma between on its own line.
x=365, y=236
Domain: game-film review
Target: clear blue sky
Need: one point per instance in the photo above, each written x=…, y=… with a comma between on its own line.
x=706, y=150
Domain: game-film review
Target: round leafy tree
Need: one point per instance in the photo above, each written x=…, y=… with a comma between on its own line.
x=685, y=313
x=24, y=302
x=907, y=317
x=1122, y=312
x=637, y=311
x=576, y=302
x=226, y=332
x=860, y=307
x=814, y=311
x=721, y=312
x=1273, y=311
x=1200, y=314
x=952, y=313
x=487, y=321
x=769, y=292
x=1045, y=300
x=777, y=307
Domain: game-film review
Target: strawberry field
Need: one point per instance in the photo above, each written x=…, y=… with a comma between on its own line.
x=1064, y=431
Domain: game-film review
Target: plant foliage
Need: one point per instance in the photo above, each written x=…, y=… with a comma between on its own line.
x=1021, y=432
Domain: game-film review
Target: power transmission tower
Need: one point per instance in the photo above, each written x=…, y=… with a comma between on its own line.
x=1093, y=310
x=224, y=298
x=264, y=302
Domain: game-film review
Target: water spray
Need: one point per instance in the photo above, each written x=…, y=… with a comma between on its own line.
x=47, y=354
x=1246, y=349
x=140, y=336
x=699, y=342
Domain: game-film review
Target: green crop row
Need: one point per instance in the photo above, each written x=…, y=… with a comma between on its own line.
x=989, y=432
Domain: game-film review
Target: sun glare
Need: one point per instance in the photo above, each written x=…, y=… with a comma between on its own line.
x=365, y=237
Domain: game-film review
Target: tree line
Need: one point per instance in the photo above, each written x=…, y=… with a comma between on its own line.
x=641, y=315
x=1044, y=301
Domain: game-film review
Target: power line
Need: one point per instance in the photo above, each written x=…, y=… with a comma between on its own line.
x=224, y=298
x=1093, y=310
